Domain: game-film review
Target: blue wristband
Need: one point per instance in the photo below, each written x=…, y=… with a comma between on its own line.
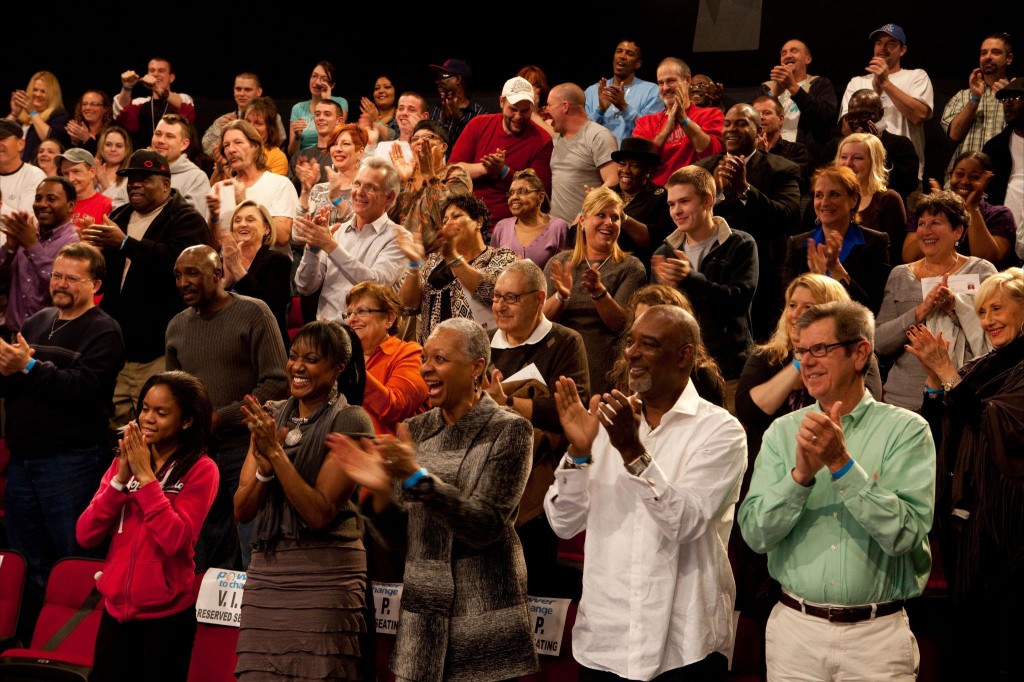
x=504, y=172
x=415, y=264
x=846, y=467
x=579, y=460
x=414, y=478
x=975, y=99
x=30, y=365
x=796, y=363
x=933, y=391
x=337, y=202
x=124, y=241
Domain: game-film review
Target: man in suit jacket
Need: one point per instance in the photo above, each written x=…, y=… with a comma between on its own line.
x=140, y=243
x=758, y=193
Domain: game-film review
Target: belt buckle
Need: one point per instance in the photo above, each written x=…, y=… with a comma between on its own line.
x=838, y=610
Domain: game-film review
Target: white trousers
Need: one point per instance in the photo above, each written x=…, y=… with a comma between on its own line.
x=806, y=648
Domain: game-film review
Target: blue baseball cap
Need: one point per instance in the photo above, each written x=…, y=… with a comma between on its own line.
x=892, y=30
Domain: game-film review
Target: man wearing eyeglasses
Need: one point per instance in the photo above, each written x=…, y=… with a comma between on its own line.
x=1007, y=185
x=57, y=379
x=534, y=352
x=27, y=256
x=841, y=500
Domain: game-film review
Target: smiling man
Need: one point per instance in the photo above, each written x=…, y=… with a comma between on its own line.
x=524, y=338
x=841, y=500
x=79, y=167
x=66, y=355
x=139, y=115
x=808, y=102
x=27, y=256
x=362, y=249
x=907, y=96
x=759, y=193
x=714, y=266
x=140, y=242
x=232, y=343
x=327, y=115
x=492, y=147
x=653, y=478
x=616, y=103
x=247, y=88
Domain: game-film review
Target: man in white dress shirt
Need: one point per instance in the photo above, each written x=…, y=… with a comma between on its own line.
x=653, y=479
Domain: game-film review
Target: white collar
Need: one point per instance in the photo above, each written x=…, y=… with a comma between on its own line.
x=499, y=340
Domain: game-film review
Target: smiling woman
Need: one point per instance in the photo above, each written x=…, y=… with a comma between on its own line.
x=40, y=107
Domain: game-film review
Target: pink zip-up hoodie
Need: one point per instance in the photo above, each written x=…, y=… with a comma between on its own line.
x=153, y=531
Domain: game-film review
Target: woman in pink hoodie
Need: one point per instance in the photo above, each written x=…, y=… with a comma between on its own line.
x=151, y=503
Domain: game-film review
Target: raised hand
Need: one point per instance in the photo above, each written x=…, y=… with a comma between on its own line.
x=671, y=271
x=620, y=415
x=932, y=352
x=978, y=186
x=821, y=437
x=313, y=235
x=579, y=425
x=398, y=160
x=78, y=132
x=411, y=246
x=591, y=281
x=133, y=446
x=816, y=257
x=561, y=275
x=941, y=297
x=129, y=78
x=308, y=172
x=492, y=386
x=976, y=84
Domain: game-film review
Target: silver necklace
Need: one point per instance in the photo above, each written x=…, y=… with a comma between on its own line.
x=294, y=435
x=591, y=264
x=54, y=328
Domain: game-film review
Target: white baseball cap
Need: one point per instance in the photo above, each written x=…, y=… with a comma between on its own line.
x=517, y=89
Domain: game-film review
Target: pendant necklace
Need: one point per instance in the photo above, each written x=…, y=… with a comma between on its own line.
x=54, y=328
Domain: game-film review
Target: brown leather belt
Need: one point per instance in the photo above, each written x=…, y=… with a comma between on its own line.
x=843, y=614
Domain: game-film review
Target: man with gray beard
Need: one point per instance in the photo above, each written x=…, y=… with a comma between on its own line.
x=654, y=479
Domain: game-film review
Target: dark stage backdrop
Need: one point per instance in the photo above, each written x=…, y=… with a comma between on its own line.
x=210, y=42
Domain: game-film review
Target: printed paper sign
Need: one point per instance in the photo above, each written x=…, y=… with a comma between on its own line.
x=958, y=284
x=387, y=603
x=547, y=617
x=220, y=597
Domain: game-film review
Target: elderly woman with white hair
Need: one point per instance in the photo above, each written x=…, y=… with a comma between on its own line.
x=979, y=497
x=458, y=471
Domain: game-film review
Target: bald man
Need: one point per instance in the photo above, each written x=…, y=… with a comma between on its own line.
x=232, y=343
x=582, y=154
x=656, y=496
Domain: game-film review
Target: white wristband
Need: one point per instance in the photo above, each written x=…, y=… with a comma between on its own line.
x=265, y=479
x=117, y=485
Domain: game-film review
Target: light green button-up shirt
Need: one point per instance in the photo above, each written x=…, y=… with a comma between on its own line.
x=862, y=538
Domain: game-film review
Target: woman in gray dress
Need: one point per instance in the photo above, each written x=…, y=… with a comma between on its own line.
x=458, y=471
x=302, y=612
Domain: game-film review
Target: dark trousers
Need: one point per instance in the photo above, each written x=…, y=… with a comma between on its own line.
x=157, y=650
x=713, y=668
x=42, y=501
x=221, y=540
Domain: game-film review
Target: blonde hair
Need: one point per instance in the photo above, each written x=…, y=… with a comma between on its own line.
x=1009, y=281
x=596, y=200
x=824, y=290
x=54, y=99
x=878, y=174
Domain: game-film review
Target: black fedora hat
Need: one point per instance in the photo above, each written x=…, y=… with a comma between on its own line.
x=639, y=149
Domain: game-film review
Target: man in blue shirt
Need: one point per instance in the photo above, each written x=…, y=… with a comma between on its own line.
x=618, y=102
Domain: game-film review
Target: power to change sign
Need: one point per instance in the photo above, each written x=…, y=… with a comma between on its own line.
x=220, y=597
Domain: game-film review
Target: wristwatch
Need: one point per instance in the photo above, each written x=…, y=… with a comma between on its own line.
x=947, y=386
x=638, y=465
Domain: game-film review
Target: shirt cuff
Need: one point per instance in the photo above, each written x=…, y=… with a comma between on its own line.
x=851, y=483
x=790, y=488
x=651, y=484
x=570, y=480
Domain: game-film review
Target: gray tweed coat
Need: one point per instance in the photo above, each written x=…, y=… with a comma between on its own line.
x=464, y=613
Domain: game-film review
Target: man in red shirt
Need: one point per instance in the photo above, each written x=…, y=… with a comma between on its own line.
x=79, y=167
x=492, y=147
x=683, y=132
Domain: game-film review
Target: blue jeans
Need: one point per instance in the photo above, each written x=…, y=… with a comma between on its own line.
x=43, y=500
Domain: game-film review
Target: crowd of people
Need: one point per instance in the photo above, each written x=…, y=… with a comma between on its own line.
x=761, y=360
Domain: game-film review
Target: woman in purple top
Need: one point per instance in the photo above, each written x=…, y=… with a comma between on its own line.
x=531, y=232
x=992, y=229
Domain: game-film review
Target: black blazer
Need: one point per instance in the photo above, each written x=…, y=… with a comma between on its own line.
x=867, y=264
x=149, y=299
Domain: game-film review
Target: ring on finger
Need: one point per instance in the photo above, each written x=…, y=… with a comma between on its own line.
x=814, y=439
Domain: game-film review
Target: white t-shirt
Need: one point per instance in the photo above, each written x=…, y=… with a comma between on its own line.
x=914, y=82
x=19, y=188
x=1015, y=188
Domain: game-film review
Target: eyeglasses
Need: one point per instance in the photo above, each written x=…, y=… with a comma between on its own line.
x=520, y=192
x=315, y=77
x=511, y=299
x=361, y=312
x=425, y=136
x=70, y=279
x=92, y=104
x=820, y=350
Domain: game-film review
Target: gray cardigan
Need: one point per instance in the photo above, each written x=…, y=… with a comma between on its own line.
x=464, y=614
x=905, y=384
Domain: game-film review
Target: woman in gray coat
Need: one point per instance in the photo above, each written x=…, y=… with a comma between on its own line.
x=458, y=471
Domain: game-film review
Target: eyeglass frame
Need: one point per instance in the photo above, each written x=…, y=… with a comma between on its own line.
x=361, y=312
x=70, y=279
x=520, y=192
x=495, y=297
x=799, y=353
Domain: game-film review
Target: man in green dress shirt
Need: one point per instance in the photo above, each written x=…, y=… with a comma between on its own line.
x=841, y=499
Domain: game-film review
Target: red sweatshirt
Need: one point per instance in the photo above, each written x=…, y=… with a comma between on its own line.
x=150, y=566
